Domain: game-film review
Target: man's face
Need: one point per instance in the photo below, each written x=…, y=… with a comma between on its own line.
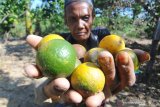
x=79, y=20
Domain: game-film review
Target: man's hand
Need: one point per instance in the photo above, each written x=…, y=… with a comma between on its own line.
x=125, y=71
x=55, y=88
x=60, y=87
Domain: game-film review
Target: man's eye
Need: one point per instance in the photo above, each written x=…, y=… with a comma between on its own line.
x=85, y=18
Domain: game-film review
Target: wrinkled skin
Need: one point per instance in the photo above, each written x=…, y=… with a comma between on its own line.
x=79, y=18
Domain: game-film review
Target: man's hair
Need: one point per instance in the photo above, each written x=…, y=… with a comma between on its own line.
x=90, y=2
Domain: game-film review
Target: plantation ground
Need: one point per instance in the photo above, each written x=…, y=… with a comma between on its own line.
x=16, y=90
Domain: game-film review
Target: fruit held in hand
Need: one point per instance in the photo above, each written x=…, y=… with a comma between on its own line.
x=87, y=79
x=92, y=54
x=78, y=62
x=48, y=38
x=112, y=43
x=56, y=58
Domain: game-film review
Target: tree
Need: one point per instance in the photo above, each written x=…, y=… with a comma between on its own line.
x=149, y=9
x=48, y=18
x=152, y=9
x=10, y=11
x=153, y=52
x=28, y=21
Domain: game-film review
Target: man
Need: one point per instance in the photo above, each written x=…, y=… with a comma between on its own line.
x=79, y=15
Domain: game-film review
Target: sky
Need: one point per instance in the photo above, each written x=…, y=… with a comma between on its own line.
x=36, y=3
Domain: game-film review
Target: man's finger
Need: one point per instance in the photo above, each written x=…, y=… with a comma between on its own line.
x=106, y=62
x=33, y=40
x=143, y=56
x=80, y=50
x=95, y=100
x=72, y=96
x=56, y=88
x=32, y=71
x=125, y=71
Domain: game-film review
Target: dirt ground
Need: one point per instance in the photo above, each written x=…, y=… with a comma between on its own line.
x=16, y=90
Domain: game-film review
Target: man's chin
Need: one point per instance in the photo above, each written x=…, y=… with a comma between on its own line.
x=81, y=38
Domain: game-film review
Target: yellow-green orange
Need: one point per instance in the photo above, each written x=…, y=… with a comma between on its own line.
x=49, y=37
x=113, y=43
x=56, y=58
x=87, y=79
x=92, y=54
x=78, y=62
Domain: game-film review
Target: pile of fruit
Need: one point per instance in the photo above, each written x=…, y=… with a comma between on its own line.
x=56, y=57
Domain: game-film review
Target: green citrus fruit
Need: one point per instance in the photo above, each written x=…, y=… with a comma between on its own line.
x=56, y=58
x=87, y=79
x=113, y=43
x=49, y=37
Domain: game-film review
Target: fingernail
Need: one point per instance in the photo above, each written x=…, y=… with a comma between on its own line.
x=58, y=90
x=31, y=71
x=122, y=58
x=26, y=71
x=33, y=40
x=147, y=57
x=105, y=58
x=60, y=85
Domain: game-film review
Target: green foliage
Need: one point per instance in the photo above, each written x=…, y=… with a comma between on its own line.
x=49, y=17
x=12, y=8
x=19, y=31
x=10, y=11
x=123, y=25
x=149, y=9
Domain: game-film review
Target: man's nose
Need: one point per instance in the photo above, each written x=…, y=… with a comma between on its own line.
x=80, y=24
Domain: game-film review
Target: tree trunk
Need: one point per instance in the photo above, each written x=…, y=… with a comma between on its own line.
x=155, y=40
x=38, y=28
x=6, y=37
x=148, y=73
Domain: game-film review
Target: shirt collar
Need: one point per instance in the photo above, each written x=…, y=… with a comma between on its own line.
x=91, y=42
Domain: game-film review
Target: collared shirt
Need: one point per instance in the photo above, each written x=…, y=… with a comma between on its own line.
x=94, y=39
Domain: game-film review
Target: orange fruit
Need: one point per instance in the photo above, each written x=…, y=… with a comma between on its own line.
x=112, y=43
x=87, y=79
x=49, y=37
x=92, y=54
x=56, y=58
x=78, y=62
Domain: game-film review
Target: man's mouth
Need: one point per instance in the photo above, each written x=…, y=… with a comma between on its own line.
x=80, y=33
